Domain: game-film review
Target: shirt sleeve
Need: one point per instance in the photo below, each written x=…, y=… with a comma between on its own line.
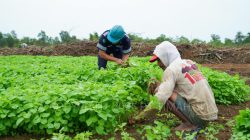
x=126, y=45
x=164, y=92
x=166, y=88
x=102, y=43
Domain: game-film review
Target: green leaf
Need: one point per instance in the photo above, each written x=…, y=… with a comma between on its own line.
x=27, y=106
x=102, y=115
x=66, y=109
x=36, y=119
x=14, y=106
x=19, y=121
x=27, y=115
x=11, y=114
x=41, y=109
x=43, y=121
x=2, y=127
x=45, y=115
x=100, y=130
x=91, y=120
x=57, y=125
x=3, y=116
x=84, y=110
x=115, y=110
x=50, y=125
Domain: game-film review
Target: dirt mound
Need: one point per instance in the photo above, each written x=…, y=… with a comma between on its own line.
x=77, y=49
x=232, y=69
x=198, y=53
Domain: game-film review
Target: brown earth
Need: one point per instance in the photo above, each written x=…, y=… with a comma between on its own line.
x=198, y=53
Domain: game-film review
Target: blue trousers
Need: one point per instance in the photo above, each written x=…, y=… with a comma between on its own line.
x=117, y=52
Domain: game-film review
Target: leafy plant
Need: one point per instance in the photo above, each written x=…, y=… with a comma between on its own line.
x=241, y=130
x=52, y=93
x=157, y=132
x=42, y=95
x=186, y=136
x=124, y=135
x=209, y=132
x=81, y=136
x=227, y=89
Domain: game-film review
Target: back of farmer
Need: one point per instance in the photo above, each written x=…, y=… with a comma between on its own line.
x=184, y=91
x=114, y=45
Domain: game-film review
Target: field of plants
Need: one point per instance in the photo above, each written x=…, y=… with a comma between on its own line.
x=66, y=97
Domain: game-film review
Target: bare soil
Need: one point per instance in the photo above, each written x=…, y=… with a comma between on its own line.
x=199, y=53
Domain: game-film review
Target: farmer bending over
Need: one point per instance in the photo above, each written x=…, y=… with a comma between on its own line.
x=115, y=42
x=184, y=91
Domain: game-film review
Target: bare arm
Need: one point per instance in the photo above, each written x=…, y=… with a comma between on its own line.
x=125, y=57
x=107, y=57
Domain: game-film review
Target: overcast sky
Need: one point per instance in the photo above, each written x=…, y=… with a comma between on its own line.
x=148, y=18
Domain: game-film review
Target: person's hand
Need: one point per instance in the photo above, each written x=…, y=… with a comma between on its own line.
x=119, y=61
x=134, y=120
x=125, y=64
x=131, y=121
x=153, y=86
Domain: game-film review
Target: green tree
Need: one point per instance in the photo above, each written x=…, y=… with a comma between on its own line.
x=28, y=40
x=2, y=41
x=162, y=38
x=229, y=42
x=197, y=42
x=56, y=41
x=94, y=36
x=183, y=40
x=43, y=39
x=10, y=39
x=247, y=39
x=135, y=38
x=239, y=38
x=215, y=40
x=66, y=38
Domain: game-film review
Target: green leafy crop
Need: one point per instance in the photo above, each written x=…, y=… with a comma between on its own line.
x=45, y=95
x=227, y=89
x=241, y=130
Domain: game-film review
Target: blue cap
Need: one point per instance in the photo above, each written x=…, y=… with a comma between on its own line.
x=116, y=34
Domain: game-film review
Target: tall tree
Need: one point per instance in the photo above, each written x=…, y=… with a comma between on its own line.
x=247, y=38
x=65, y=36
x=43, y=39
x=183, y=40
x=215, y=40
x=94, y=36
x=239, y=38
x=197, y=41
x=135, y=38
x=2, y=40
x=228, y=42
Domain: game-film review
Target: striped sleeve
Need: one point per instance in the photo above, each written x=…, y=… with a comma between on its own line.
x=101, y=47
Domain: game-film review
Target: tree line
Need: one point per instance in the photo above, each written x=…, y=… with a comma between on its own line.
x=11, y=40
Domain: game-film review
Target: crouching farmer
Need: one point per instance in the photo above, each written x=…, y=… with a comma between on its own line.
x=116, y=42
x=184, y=91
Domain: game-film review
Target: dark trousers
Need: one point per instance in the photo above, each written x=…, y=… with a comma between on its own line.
x=117, y=52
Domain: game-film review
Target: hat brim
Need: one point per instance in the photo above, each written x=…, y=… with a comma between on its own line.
x=112, y=40
x=153, y=58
